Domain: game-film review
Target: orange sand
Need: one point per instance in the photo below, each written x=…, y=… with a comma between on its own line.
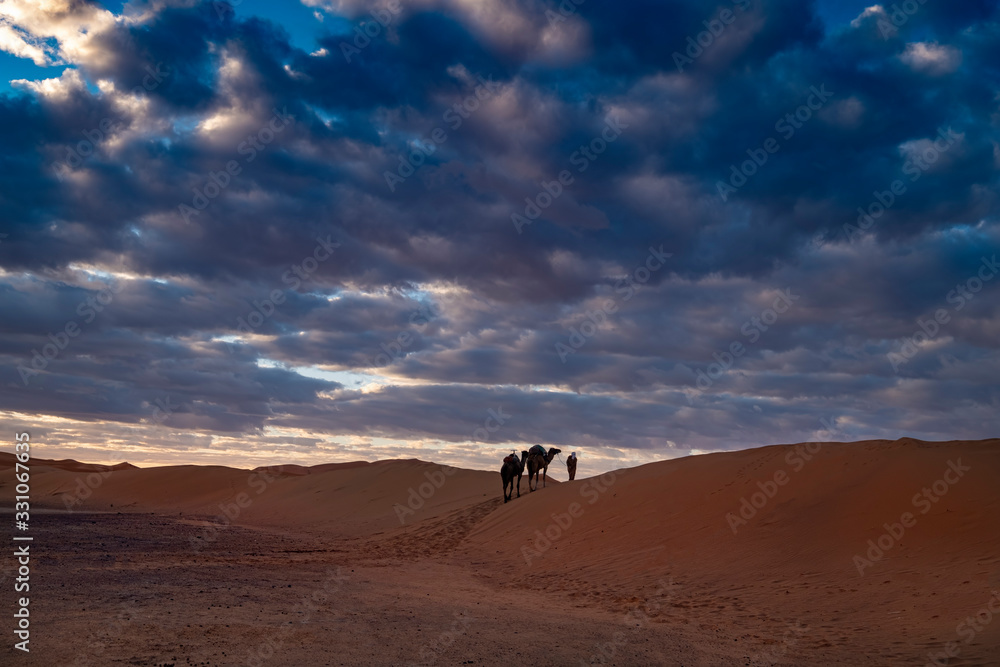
x=783, y=588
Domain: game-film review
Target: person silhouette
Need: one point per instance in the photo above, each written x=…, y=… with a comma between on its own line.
x=571, y=466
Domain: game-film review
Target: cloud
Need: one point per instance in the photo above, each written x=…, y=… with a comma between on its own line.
x=225, y=308
x=31, y=27
x=932, y=59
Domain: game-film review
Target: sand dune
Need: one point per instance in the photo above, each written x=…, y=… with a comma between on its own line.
x=794, y=556
x=354, y=498
x=816, y=553
x=7, y=460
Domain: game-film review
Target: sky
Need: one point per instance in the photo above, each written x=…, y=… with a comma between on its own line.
x=251, y=232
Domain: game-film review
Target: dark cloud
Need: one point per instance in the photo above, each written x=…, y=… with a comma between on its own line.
x=206, y=167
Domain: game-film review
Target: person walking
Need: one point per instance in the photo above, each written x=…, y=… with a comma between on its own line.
x=571, y=466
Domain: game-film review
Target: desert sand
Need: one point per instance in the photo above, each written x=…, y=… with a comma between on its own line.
x=876, y=553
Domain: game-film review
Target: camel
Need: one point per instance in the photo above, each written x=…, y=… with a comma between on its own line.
x=512, y=467
x=537, y=461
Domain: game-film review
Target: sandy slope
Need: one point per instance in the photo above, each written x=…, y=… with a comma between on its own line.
x=656, y=551
x=794, y=558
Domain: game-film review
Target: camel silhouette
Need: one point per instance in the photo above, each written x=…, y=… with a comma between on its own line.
x=511, y=468
x=538, y=462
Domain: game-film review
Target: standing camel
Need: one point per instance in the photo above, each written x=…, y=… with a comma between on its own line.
x=538, y=460
x=511, y=468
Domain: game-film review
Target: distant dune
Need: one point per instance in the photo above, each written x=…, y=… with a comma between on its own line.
x=879, y=544
x=69, y=465
x=354, y=498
